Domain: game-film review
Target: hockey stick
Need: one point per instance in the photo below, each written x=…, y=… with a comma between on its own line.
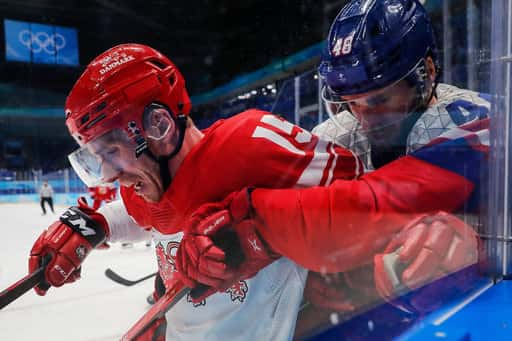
x=157, y=311
x=20, y=287
x=123, y=281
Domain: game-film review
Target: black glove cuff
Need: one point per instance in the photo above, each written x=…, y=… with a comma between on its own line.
x=83, y=224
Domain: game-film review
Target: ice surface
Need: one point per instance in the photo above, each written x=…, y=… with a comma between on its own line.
x=94, y=308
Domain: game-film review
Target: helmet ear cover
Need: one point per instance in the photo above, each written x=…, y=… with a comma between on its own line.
x=157, y=121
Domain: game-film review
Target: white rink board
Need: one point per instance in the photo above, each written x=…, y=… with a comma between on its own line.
x=94, y=308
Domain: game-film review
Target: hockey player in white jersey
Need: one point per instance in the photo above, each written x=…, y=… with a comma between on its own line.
x=380, y=72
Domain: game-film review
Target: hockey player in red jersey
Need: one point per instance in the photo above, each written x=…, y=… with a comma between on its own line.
x=396, y=109
x=102, y=193
x=129, y=114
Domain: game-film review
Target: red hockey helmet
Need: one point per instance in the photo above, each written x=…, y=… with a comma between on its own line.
x=116, y=87
x=109, y=100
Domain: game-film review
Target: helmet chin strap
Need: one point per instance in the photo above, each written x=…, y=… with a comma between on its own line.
x=424, y=100
x=163, y=161
x=414, y=114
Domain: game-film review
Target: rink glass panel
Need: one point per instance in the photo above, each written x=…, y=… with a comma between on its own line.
x=475, y=54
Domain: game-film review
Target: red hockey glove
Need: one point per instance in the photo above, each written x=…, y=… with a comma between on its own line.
x=221, y=246
x=428, y=248
x=63, y=247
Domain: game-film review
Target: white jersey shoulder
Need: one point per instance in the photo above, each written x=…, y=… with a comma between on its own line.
x=454, y=107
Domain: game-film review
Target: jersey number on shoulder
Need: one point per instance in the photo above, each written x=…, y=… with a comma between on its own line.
x=462, y=111
x=273, y=136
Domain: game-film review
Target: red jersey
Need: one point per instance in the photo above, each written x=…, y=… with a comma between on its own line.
x=103, y=193
x=254, y=148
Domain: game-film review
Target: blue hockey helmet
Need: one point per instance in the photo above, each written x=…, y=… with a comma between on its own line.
x=375, y=43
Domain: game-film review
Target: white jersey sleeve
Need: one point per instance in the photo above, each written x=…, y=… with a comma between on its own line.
x=121, y=225
x=454, y=108
x=347, y=133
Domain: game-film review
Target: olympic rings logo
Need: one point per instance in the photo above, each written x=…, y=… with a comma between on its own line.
x=37, y=42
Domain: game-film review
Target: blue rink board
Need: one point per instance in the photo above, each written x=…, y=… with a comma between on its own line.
x=484, y=314
x=487, y=317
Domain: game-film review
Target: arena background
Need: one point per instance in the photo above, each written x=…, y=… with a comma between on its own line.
x=234, y=56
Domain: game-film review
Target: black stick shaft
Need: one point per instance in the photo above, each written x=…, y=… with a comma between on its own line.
x=20, y=287
x=124, y=281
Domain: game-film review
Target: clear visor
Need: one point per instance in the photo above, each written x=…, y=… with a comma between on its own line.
x=102, y=160
x=376, y=109
x=372, y=100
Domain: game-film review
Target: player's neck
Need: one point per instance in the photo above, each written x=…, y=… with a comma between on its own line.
x=192, y=137
x=433, y=101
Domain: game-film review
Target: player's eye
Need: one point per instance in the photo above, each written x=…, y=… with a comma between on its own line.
x=112, y=152
x=108, y=154
x=377, y=100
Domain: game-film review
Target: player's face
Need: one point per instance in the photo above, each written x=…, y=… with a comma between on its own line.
x=116, y=155
x=381, y=112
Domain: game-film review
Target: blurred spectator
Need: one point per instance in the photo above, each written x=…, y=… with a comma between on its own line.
x=46, y=195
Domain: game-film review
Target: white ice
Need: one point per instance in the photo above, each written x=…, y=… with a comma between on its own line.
x=94, y=308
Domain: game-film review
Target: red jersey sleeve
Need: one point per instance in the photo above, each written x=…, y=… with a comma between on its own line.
x=260, y=149
x=341, y=226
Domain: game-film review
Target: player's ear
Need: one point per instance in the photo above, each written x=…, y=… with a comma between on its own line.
x=159, y=128
x=430, y=68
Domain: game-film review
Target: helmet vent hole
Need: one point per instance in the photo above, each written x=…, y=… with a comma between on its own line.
x=158, y=64
x=172, y=79
x=96, y=120
x=101, y=106
x=84, y=119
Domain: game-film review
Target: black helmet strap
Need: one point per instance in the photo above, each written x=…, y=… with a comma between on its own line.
x=163, y=161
